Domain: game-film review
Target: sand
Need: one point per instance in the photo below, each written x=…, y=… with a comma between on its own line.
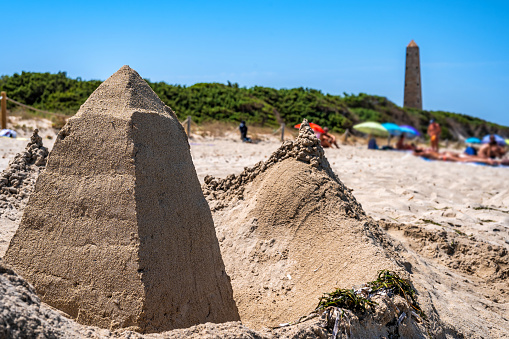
x=290, y=230
x=450, y=221
x=467, y=202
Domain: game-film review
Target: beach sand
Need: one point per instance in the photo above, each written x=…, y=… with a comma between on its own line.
x=392, y=185
x=451, y=219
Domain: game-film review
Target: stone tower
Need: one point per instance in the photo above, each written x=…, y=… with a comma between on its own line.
x=413, y=93
x=117, y=233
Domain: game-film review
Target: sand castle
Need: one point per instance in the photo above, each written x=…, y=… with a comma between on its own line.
x=289, y=231
x=117, y=233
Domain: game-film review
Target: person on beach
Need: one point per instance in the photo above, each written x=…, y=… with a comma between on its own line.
x=327, y=140
x=434, y=132
x=402, y=146
x=492, y=150
x=455, y=157
x=372, y=142
x=243, y=132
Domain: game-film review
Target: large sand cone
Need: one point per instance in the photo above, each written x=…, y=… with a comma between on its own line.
x=117, y=232
x=289, y=231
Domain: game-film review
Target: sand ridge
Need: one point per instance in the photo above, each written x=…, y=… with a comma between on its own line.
x=17, y=183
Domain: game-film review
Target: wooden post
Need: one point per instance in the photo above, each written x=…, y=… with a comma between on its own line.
x=4, y=110
x=189, y=126
x=283, y=132
x=345, y=135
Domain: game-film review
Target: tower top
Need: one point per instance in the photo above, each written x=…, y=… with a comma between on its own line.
x=412, y=44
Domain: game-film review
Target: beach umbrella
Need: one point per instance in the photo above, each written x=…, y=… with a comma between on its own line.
x=313, y=126
x=409, y=131
x=371, y=127
x=498, y=138
x=473, y=141
x=392, y=128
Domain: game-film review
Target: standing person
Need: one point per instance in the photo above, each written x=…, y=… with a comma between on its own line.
x=434, y=132
x=243, y=132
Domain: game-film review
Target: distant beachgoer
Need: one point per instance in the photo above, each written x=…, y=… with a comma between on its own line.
x=400, y=145
x=434, y=132
x=492, y=150
x=327, y=140
x=455, y=157
x=243, y=132
x=503, y=162
x=372, y=143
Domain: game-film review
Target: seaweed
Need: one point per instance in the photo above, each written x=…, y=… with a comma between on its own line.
x=477, y=208
x=460, y=233
x=360, y=300
x=345, y=298
x=428, y=221
x=391, y=281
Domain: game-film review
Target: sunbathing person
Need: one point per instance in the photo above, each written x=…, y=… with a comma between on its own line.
x=492, y=150
x=400, y=145
x=327, y=140
x=455, y=157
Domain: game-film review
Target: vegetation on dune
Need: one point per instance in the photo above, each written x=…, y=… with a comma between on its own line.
x=52, y=92
x=259, y=106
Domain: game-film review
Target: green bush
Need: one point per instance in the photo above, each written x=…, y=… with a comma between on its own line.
x=262, y=106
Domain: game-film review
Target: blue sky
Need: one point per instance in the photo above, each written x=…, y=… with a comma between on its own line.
x=334, y=46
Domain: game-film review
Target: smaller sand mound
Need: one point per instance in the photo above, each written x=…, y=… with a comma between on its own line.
x=17, y=180
x=289, y=230
x=306, y=148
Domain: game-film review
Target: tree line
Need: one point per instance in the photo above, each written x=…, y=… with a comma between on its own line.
x=262, y=106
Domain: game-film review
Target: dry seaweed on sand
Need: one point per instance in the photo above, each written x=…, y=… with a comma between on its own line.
x=389, y=281
x=359, y=300
x=345, y=298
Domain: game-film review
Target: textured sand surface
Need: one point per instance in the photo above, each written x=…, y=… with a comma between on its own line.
x=290, y=230
x=408, y=193
x=452, y=221
x=23, y=315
